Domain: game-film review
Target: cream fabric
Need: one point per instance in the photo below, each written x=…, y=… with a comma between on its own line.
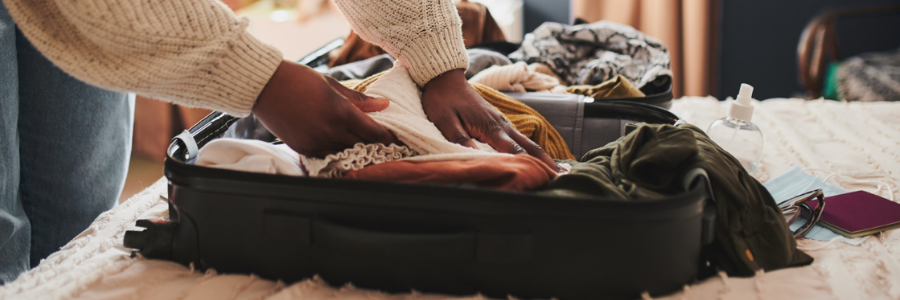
x=518, y=77
x=857, y=139
x=250, y=156
x=406, y=118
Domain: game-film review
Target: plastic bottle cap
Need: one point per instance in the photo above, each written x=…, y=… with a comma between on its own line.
x=740, y=107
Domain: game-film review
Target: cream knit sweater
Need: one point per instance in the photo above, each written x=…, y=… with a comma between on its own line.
x=197, y=53
x=425, y=35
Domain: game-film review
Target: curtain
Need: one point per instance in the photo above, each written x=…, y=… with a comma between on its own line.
x=688, y=27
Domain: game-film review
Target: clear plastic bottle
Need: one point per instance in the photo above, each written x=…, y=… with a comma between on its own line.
x=736, y=134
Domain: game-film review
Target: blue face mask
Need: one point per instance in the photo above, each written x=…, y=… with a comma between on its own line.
x=795, y=182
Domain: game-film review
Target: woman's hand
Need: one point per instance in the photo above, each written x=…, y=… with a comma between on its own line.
x=461, y=115
x=315, y=115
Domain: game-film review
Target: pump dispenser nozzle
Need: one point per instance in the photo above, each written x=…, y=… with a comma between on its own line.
x=740, y=107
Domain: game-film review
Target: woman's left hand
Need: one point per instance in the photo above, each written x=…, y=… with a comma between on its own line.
x=461, y=114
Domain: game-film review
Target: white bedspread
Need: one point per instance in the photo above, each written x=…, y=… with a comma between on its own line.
x=861, y=140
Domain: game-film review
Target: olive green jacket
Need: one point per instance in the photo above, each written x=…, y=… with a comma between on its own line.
x=649, y=162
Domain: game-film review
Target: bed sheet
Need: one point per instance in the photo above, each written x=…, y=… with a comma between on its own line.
x=860, y=140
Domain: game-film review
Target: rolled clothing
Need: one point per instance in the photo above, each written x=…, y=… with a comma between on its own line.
x=511, y=173
x=406, y=118
x=480, y=59
x=250, y=156
x=518, y=77
x=545, y=69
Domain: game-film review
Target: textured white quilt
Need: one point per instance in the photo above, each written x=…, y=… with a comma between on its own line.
x=860, y=140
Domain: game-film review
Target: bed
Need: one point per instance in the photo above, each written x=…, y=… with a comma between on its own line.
x=859, y=140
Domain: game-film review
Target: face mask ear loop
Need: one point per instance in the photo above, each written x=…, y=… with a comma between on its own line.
x=823, y=245
x=879, y=183
x=805, y=189
x=829, y=177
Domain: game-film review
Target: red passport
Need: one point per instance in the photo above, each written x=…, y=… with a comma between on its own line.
x=859, y=213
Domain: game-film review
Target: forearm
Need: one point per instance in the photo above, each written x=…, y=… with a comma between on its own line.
x=191, y=52
x=425, y=35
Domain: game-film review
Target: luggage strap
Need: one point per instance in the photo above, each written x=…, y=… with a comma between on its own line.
x=187, y=139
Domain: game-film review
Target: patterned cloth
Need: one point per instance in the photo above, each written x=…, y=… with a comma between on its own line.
x=870, y=77
x=589, y=54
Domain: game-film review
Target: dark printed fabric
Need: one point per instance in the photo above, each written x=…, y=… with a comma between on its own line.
x=589, y=54
x=870, y=77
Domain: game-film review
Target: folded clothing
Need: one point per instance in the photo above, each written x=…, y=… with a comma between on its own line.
x=518, y=77
x=406, y=118
x=250, y=156
x=616, y=88
x=511, y=173
x=525, y=119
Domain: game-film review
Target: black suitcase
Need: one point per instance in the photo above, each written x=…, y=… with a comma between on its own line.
x=454, y=240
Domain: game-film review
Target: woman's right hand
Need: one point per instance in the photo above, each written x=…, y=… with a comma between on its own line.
x=315, y=115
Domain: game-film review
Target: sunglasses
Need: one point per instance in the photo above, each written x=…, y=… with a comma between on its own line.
x=798, y=206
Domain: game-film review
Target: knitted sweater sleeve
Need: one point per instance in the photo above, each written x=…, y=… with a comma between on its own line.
x=190, y=52
x=423, y=34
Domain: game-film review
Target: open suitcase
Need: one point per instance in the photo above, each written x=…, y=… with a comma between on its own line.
x=457, y=240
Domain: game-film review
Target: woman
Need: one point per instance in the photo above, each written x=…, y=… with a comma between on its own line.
x=65, y=137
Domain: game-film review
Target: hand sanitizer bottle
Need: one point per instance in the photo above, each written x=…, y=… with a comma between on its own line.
x=736, y=134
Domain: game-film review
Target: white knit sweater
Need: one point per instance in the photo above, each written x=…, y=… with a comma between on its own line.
x=425, y=35
x=197, y=53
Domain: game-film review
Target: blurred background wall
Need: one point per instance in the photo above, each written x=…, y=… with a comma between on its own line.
x=718, y=44
x=759, y=41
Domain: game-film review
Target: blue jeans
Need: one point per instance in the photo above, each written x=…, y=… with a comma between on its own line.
x=64, y=150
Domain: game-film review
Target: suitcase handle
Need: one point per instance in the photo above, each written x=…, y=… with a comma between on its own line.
x=503, y=248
